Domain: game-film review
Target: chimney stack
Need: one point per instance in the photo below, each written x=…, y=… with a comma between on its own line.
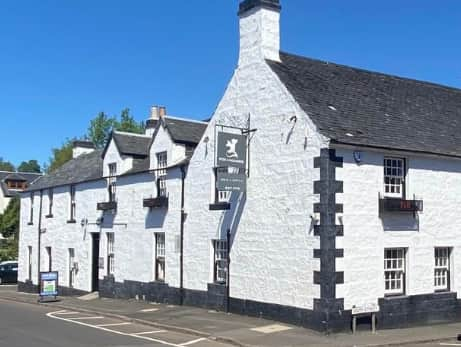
x=156, y=112
x=259, y=31
x=80, y=147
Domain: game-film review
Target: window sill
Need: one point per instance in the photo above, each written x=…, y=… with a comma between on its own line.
x=30, y=223
x=163, y=283
x=395, y=296
x=49, y=216
x=71, y=221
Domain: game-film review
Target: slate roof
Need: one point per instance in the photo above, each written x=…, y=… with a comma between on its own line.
x=185, y=131
x=129, y=144
x=16, y=176
x=359, y=107
x=86, y=167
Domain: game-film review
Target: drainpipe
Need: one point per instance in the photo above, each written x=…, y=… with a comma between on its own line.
x=228, y=271
x=39, y=239
x=181, y=230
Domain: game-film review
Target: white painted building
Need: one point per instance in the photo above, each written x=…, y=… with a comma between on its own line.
x=350, y=203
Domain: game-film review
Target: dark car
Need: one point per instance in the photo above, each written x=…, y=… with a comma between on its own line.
x=8, y=272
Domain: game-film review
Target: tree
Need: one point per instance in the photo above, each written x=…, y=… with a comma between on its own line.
x=128, y=124
x=60, y=156
x=9, y=220
x=6, y=165
x=100, y=128
x=29, y=166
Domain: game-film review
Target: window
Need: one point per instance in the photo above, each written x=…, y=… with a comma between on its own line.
x=72, y=268
x=50, y=202
x=16, y=185
x=48, y=253
x=394, y=177
x=72, y=203
x=110, y=254
x=162, y=162
x=220, y=261
x=160, y=257
x=29, y=263
x=31, y=212
x=394, y=271
x=442, y=268
x=112, y=181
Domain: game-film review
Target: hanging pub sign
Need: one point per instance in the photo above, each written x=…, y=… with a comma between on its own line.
x=48, y=284
x=231, y=182
x=232, y=150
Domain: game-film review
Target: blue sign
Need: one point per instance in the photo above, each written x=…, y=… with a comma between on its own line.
x=49, y=283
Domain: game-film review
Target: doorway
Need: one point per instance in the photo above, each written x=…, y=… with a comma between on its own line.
x=95, y=263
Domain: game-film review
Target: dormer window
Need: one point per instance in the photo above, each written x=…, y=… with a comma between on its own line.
x=112, y=181
x=162, y=163
x=16, y=185
x=394, y=177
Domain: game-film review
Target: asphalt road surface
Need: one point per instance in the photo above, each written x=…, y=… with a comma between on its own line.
x=24, y=325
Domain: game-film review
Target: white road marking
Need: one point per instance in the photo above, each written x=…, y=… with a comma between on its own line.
x=150, y=332
x=273, y=328
x=52, y=315
x=113, y=324
x=149, y=310
x=450, y=344
x=192, y=342
x=68, y=312
x=85, y=318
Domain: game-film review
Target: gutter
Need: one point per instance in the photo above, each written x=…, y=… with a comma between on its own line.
x=181, y=231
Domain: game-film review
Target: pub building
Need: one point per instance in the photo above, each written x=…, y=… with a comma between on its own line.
x=316, y=192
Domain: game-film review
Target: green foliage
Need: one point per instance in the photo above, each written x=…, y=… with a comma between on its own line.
x=6, y=165
x=100, y=128
x=60, y=156
x=128, y=124
x=9, y=220
x=8, y=249
x=29, y=166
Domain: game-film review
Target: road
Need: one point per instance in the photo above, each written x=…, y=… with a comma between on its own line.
x=38, y=326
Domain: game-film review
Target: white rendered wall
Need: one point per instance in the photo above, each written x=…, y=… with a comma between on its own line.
x=112, y=155
x=434, y=180
x=272, y=252
x=164, y=143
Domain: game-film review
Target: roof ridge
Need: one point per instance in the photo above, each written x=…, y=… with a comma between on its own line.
x=186, y=119
x=408, y=79
x=130, y=134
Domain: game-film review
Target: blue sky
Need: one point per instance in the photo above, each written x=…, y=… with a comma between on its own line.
x=62, y=62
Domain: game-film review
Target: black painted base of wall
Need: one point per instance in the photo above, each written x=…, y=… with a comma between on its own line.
x=29, y=287
x=425, y=309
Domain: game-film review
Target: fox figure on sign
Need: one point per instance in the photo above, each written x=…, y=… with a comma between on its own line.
x=231, y=152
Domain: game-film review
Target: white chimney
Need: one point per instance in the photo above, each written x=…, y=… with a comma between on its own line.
x=82, y=147
x=259, y=30
x=156, y=112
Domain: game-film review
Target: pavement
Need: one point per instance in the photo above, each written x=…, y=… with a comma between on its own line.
x=238, y=330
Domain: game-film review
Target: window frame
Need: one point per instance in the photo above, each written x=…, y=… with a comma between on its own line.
x=442, y=272
x=391, y=173
x=399, y=272
x=159, y=257
x=72, y=205
x=71, y=268
x=49, y=257
x=220, y=257
x=112, y=182
x=29, y=263
x=162, y=164
x=110, y=237
x=31, y=208
x=50, y=201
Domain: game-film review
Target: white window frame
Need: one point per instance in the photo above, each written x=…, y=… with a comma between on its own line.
x=162, y=164
x=220, y=261
x=49, y=257
x=71, y=267
x=112, y=182
x=394, y=271
x=29, y=263
x=394, y=177
x=72, y=203
x=442, y=268
x=50, y=201
x=159, y=257
x=31, y=209
x=110, y=253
